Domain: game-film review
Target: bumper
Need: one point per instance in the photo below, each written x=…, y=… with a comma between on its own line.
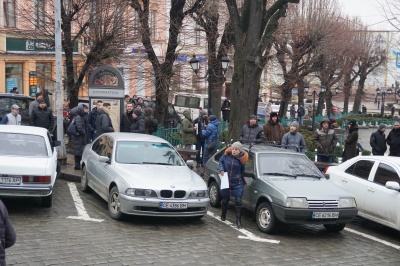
x=26, y=191
x=150, y=207
x=304, y=216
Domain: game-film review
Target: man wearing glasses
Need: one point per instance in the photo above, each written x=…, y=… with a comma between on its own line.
x=393, y=140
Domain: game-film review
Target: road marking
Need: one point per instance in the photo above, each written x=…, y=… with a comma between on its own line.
x=373, y=238
x=82, y=214
x=249, y=235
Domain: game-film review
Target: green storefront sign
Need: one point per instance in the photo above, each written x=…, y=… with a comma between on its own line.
x=32, y=45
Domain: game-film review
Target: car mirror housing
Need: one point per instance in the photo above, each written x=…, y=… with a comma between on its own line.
x=392, y=185
x=56, y=143
x=327, y=176
x=104, y=159
x=190, y=163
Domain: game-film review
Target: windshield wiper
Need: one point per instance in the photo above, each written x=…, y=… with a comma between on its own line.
x=279, y=174
x=308, y=175
x=158, y=163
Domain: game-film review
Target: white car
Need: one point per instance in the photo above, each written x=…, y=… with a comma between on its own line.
x=28, y=163
x=140, y=174
x=374, y=182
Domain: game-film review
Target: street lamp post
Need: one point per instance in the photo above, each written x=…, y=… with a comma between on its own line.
x=383, y=93
x=313, y=94
x=195, y=64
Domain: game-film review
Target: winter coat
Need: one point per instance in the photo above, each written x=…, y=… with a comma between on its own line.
x=188, y=130
x=32, y=106
x=294, y=142
x=393, y=140
x=126, y=121
x=211, y=133
x=148, y=115
x=103, y=122
x=273, y=131
x=292, y=111
x=325, y=141
x=234, y=167
x=201, y=124
x=226, y=110
x=7, y=233
x=251, y=134
x=350, y=143
x=42, y=118
x=92, y=119
x=78, y=142
x=301, y=111
x=138, y=124
x=378, y=143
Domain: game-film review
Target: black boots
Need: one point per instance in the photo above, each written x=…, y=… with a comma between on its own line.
x=77, y=162
x=239, y=217
x=223, y=214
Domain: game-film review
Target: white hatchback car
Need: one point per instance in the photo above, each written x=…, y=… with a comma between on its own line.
x=374, y=181
x=28, y=163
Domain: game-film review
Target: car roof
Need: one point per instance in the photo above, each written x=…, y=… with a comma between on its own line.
x=390, y=159
x=23, y=130
x=16, y=95
x=123, y=136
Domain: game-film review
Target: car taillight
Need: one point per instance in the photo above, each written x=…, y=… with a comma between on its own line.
x=36, y=179
x=326, y=169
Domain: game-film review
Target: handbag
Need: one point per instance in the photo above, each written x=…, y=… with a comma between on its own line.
x=71, y=130
x=211, y=146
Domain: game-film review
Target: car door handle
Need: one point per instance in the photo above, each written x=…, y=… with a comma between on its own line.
x=344, y=180
x=371, y=189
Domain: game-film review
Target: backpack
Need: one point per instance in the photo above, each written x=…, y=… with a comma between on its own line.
x=152, y=125
x=71, y=130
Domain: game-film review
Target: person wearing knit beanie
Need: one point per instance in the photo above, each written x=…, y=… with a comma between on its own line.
x=293, y=140
x=237, y=145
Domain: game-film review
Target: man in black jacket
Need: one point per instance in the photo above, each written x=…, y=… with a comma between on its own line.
x=7, y=233
x=252, y=132
x=200, y=123
x=393, y=140
x=103, y=121
x=378, y=141
x=92, y=119
x=42, y=116
x=127, y=119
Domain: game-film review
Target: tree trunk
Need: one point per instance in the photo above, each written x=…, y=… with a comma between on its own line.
x=300, y=92
x=347, y=91
x=321, y=102
x=286, y=94
x=359, y=93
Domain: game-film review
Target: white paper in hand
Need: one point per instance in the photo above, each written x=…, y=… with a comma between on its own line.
x=224, y=180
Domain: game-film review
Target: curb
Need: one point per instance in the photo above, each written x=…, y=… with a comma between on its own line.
x=70, y=177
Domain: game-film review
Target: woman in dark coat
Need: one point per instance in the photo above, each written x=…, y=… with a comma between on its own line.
x=78, y=142
x=233, y=163
x=350, y=143
x=226, y=110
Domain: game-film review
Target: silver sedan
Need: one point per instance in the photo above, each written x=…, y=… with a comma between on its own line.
x=141, y=174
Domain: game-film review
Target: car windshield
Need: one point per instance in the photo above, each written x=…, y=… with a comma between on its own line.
x=142, y=152
x=13, y=144
x=287, y=165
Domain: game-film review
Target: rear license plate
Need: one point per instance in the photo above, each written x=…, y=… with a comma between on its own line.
x=173, y=205
x=325, y=215
x=10, y=180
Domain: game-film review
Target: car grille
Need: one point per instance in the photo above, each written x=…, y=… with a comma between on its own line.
x=179, y=194
x=323, y=204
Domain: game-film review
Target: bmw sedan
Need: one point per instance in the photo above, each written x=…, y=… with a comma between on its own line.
x=140, y=174
x=28, y=163
x=285, y=186
x=375, y=183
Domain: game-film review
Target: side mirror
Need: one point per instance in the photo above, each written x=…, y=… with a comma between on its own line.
x=327, y=176
x=190, y=163
x=392, y=185
x=104, y=159
x=56, y=143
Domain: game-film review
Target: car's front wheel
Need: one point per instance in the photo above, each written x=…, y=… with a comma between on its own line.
x=114, y=205
x=265, y=218
x=84, y=180
x=47, y=201
x=215, y=197
x=334, y=228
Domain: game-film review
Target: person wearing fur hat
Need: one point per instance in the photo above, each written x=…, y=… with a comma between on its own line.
x=378, y=141
x=138, y=125
x=325, y=141
x=252, y=132
x=350, y=143
x=233, y=163
x=42, y=116
x=293, y=140
x=200, y=123
x=211, y=135
x=103, y=121
x=273, y=129
x=393, y=140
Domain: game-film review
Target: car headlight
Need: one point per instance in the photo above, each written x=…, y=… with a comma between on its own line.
x=139, y=192
x=347, y=203
x=198, y=194
x=296, y=203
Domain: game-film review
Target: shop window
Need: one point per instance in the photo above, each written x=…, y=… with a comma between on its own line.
x=13, y=77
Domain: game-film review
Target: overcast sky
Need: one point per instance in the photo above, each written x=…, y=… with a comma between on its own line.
x=369, y=11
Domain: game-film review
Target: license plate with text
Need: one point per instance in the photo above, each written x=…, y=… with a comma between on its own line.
x=10, y=180
x=325, y=215
x=173, y=205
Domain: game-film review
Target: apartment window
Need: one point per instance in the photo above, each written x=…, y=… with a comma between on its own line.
x=40, y=14
x=13, y=76
x=153, y=24
x=197, y=35
x=9, y=13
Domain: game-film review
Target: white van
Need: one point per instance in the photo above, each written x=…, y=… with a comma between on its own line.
x=195, y=102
